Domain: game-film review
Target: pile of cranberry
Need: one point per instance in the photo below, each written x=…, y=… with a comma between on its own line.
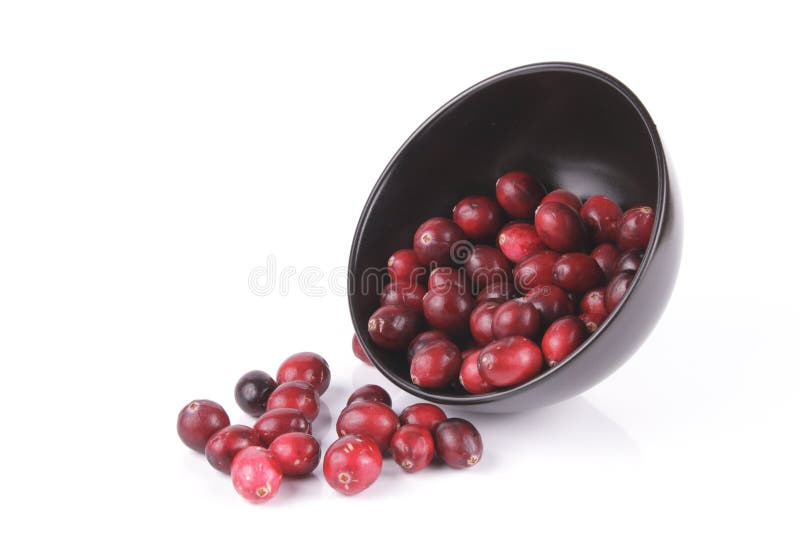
x=481, y=317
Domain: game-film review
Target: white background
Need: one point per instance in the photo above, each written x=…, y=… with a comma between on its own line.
x=152, y=154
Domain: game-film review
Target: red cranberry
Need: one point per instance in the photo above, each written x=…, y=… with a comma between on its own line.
x=496, y=292
x=443, y=278
x=352, y=464
x=629, y=261
x=279, y=421
x=424, y=339
x=519, y=193
x=486, y=265
x=518, y=240
x=606, y=255
x=306, y=366
x=296, y=394
x=198, y=421
x=516, y=317
x=535, y=270
x=371, y=419
x=412, y=448
x=594, y=301
x=297, y=453
x=560, y=227
x=480, y=322
x=480, y=217
x=403, y=294
x=635, y=228
x=469, y=376
x=436, y=365
x=370, y=392
x=577, y=272
x=458, y=443
x=565, y=197
x=423, y=414
x=404, y=266
x=256, y=475
x=252, y=391
x=601, y=215
x=448, y=310
x=434, y=240
x=562, y=338
x=225, y=443
x=392, y=327
x=509, y=361
x=617, y=288
x=359, y=351
x=551, y=302
x=592, y=321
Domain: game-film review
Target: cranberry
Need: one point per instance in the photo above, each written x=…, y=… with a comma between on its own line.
x=606, y=255
x=519, y=193
x=225, y=443
x=469, y=376
x=423, y=414
x=565, y=197
x=509, y=361
x=424, y=339
x=496, y=292
x=551, y=301
x=560, y=227
x=592, y=321
x=404, y=266
x=480, y=322
x=577, y=272
x=434, y=240
x=370, y=392
x=198, y=421
x=635, y=228
x=359, y=351
x=486, y=265
x=535, y=270
x=412, y=447
x=252, y=391
x=562, y=338
x=296, y=394
x=617, y=288
x=403, y=294
x=594, y=301
x=352, y=464
x=516, y=317
x=629, y=261
x=518, y=240
x=458, y=443
x=448, y=310
x=297, y=453
x=280, y=421
x=436, y=365
x=256, y=475
x=480, y=217
x=601, y=215
x=371, y=419
x=306, y=366
x=392, y=327
x=443, y=278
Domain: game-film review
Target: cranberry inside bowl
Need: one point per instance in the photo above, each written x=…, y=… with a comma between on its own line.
x=571, y=126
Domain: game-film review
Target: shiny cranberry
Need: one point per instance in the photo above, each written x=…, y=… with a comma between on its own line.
x=412, y=447
x=423, y=414
x=225, y=443
x=509, y=361
x=371, y=419
x=403, y=294
x=198, y=421
x=256, y=474
x=564, y=197
x=296, y=394
x=424, y=339
x=279, y=421
x=577, y=272
x=486, y=265
x=592, y=321
x=601, y=215
x=434, y=240
x=252, y=391
x=392, y=327
x=518, y=240
x=436, y=365
x=516, y=317
x=496, y=292
x=359, y=351
x=448, y=310
x=404, y=266
x=480, y=217
x=458, y=443
x=617, y=288
x=560, y=227
x=519, y=193
x=370, y=392
x=480, y=322
x=635, y=228
x=352, y=464
x=606, y=256
x=297, y=453
x=470, y=378
x=594, y=301
x=551, y=301
x=306, y=366
x=629, y=261
x=443, y=278
x=562, y=338
x=535, y=270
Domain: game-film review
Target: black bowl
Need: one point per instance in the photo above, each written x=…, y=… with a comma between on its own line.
x=573, y=127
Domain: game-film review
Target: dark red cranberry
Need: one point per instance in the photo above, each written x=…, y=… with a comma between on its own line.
x=412, y=447
x=198, y=421
x=252, y=391
x=392, y=327
x=592, y=320
x=606, y=256
x=594, y=301
x=518, y=240
x=279, y=421
x=535, y=270
x=370, y=392
x=629, y=261
x=371, y=419
x=635, y=228
x=403, y=294
x=480, y=322
x=519, y=193
x=458, y=443
x=424, y=339
x=565, y=197
x=562, y=338
x=306, y=366
x=470, y=378
x=352, y=464
x=516, y=317
x=296, y=394
x=404, y=266
x=225, y=443
x=560, y=227
x=551, y=301
x=434, y=240
x=497, y=292
x=436, y=365
x=448, y=310
x=509, y=361
x=617, y=288
x=359, y=351
x=443, y=278
x=486, y=265
x=297, y=453
x=256, y=474
x=577, y=272
x=601, y=215
x=423, y=414
x=480, y=217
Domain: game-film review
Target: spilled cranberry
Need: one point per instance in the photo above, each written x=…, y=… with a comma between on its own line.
x=518, y=240
x=479, y=216
x=594, y=302
x=392, y=327
x=423, y=414
x=635, y=228
x=562, y=338
x=448, y=310
x=486, y=265
x=256, y=474
x=516, y=317
x=404, y=266
x=470, y=378
x=617, y=288
x=606, y=256
x=403, y=294
x=535, y=270
x=560, y=227
x=602, y=216
x=296, y=394
x=412, y=448
x=306, y=366
x=226, y=443
x=279, y=421
x=372, y=419
x=352, y=464
x=198, y=421
x=509, y=361
x=577, y=272
x=370, y=392
x=458, y=443
x=434, y=240
x=297, y=453
x=435, y=366
x=480, y=322
x=252, y=390
x=519, y=193
x=359, y=351
x=551, y=302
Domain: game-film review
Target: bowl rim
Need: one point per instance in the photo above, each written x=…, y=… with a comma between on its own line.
x=661, y=200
